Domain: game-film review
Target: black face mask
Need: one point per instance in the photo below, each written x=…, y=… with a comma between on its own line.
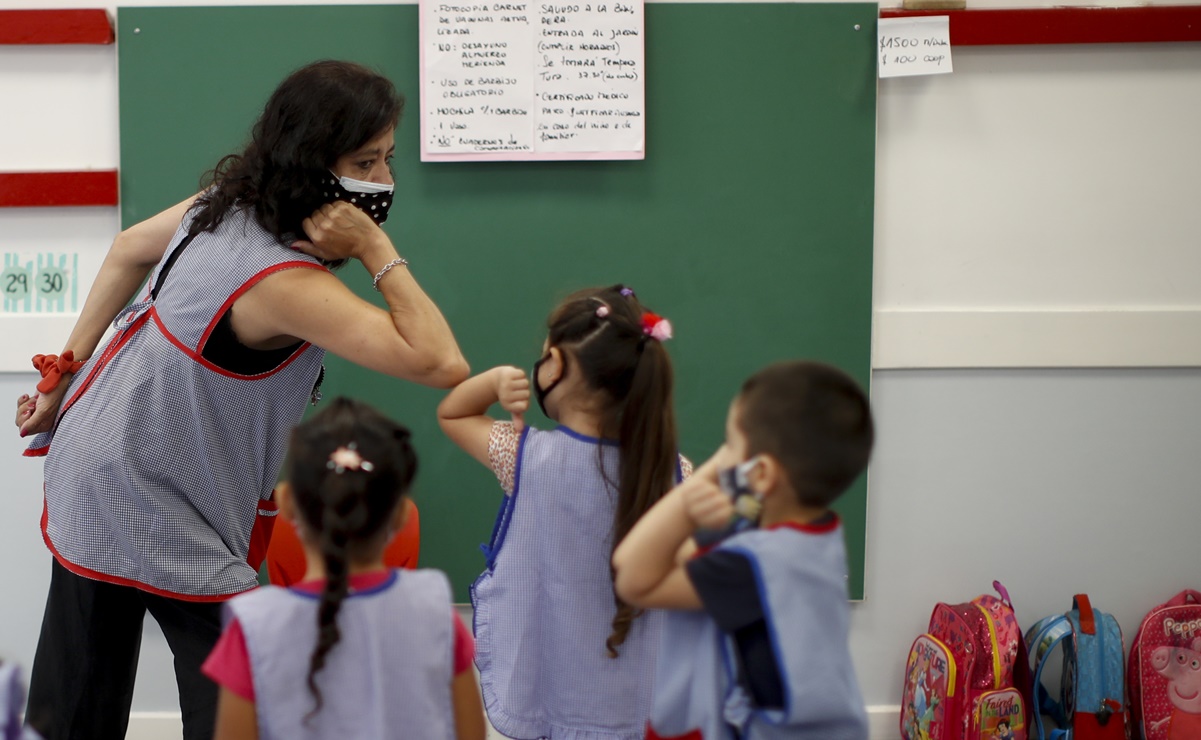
x=541, y=393
x=371, y=198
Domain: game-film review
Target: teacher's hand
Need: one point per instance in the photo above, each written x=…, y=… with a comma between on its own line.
x=36, y=414
x=25, y=406
x=338, y=231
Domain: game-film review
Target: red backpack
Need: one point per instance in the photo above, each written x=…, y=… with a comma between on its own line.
x=1164, y=671
x=963, y=679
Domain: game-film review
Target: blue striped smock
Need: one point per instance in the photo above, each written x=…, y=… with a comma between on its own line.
x=388, y=677
x=801, y=579
x=160, y=458
x=544, y=606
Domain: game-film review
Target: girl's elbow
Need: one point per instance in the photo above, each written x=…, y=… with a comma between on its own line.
x=445, y=423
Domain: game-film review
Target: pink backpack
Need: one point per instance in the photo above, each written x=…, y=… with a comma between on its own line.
x=963, y=680
x=1164, y=671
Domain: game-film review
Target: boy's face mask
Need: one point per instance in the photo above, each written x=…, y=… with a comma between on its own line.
x=372, y=198
x=748, y=503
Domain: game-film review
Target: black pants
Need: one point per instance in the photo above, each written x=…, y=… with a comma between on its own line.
x=81, y=685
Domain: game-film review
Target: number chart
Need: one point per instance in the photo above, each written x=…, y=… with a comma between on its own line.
x=38, y=283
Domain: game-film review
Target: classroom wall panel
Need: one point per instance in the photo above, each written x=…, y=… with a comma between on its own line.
x=58, y=115
x=1037, y=208
x=58, y=103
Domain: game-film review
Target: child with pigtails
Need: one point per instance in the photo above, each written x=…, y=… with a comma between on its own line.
x=559, y=655
x=354, y=650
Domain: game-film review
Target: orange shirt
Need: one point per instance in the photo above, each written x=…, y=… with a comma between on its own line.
x=285, y=556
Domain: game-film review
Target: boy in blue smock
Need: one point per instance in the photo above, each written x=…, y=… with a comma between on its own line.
x=755, y=646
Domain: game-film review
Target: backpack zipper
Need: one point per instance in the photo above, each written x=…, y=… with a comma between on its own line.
x=996, y=655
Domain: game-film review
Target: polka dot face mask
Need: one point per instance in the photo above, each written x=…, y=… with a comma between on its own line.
x=372, y=198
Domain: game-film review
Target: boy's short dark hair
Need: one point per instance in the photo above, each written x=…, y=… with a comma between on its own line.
x=814, y=419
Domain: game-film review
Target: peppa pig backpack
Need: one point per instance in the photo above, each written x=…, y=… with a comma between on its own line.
x=1165, y=671
x=962, y=679
x=1091, y=703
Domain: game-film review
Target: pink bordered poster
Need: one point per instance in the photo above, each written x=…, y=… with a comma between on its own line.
x=510, y=80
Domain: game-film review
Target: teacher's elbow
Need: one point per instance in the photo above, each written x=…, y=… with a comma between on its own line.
x=445, y=370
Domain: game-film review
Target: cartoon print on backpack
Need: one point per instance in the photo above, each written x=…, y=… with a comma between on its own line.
x=926, y=682
x=1181, y=666
x=1003, y=731
x=925, y=699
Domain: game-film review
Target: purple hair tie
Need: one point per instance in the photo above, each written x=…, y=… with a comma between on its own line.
x=627, y=292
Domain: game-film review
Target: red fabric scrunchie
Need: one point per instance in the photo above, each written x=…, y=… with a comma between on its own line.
x=656, y=327
x=53, y=367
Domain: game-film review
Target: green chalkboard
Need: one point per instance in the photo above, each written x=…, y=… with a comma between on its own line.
x=749, y=224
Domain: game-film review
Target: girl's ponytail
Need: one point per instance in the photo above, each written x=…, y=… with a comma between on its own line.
x=649, y=456
x=346, y=513
x=618, y=345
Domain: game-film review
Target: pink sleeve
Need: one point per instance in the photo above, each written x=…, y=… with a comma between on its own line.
x=464, y=645
x=502, y=453
x=229, y=663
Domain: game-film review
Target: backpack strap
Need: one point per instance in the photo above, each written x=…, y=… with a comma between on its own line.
x=1187, y=596
x=1041, y=639
x=1003, y=592
x=1088, y=622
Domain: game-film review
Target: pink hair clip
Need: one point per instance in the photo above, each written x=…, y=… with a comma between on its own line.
x=602, y=311
x=348, y=458
x=656, y=327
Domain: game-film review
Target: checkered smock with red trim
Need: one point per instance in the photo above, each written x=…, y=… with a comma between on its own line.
x=160, y=458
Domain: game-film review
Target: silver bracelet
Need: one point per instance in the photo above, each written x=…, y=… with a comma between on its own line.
x=384, y=270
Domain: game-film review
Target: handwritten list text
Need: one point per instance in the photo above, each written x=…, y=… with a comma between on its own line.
x=506, y=80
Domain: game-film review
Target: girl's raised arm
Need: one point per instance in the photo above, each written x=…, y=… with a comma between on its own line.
x=463, y=414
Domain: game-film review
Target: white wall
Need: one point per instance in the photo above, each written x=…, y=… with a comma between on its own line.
x=1035, y=208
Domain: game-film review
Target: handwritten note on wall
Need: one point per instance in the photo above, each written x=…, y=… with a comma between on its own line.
x=914, y=46
x=515, y=80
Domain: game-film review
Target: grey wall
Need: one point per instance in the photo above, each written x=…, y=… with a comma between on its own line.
x=1052, y=481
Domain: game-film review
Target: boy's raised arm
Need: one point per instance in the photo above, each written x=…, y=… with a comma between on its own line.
x=648, y=572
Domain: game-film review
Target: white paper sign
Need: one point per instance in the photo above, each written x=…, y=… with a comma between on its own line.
x=914, y=46
x=514, y=80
